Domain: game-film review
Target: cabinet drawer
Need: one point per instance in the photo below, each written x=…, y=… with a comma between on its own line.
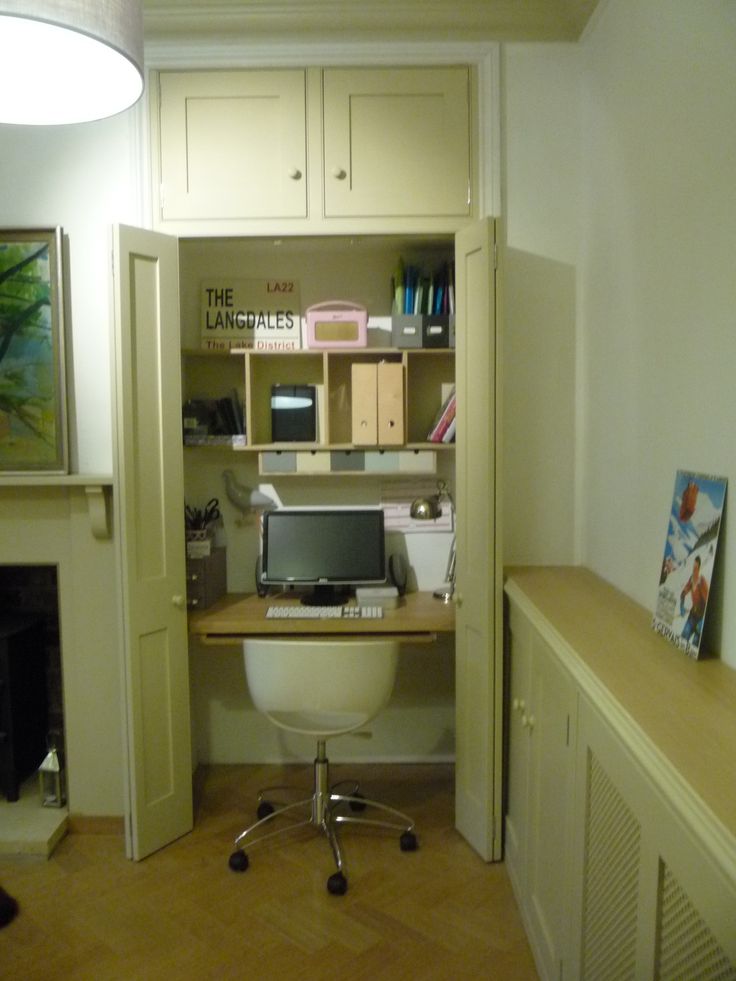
x=206, y=579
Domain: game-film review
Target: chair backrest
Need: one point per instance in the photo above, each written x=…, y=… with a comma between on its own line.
x=321, y=686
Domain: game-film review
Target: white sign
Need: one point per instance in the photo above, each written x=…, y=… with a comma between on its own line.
x=260, y=313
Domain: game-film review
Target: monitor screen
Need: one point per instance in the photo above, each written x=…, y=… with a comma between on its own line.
x=325, y=549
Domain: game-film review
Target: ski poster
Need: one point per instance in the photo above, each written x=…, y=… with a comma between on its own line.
x=686, y=575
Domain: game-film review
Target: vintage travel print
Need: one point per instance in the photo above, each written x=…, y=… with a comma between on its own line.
x=686, y=576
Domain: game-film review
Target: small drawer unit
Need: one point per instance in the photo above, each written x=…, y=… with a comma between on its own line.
x=23, y=700
x=206, y=579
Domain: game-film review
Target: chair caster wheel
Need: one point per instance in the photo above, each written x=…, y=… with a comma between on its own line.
x=358, y=802
x=337, y=884
x=408, y=842
x=264, y=809
x=238, y=861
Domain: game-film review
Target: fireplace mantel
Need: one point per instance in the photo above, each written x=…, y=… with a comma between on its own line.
x=96, y=487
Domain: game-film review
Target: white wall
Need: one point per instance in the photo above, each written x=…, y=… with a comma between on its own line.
x=658, y=290
x=621, y=154
x=541, y=173
x=83, y=178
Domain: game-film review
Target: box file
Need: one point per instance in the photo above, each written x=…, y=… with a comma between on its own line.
x=378, y=404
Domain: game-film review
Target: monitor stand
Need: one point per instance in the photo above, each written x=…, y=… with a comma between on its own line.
x=325, y=594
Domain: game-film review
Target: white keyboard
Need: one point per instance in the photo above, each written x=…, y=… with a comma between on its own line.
x=324, y=612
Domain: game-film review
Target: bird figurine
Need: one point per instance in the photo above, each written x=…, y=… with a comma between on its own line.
x=244, y=498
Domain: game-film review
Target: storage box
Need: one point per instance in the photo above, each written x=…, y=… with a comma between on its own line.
x=206, y=579
x=406, y=331
x=423, y=330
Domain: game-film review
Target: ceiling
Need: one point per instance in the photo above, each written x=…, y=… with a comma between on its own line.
x=366, y=20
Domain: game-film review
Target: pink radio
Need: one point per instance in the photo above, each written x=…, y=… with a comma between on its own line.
x=337, y=323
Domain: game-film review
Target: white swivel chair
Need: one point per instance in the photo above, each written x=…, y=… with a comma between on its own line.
x=322, y=687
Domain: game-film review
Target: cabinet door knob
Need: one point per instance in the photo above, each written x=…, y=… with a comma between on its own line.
x=295, y=174
x=339, y=173
x=178, y=601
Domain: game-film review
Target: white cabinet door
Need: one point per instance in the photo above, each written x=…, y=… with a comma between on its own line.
x=516, y=823
x=540, y=789
x=233, y=144
x=550, y=714
x=149, y=495
x=396, y=142
x=478, y=647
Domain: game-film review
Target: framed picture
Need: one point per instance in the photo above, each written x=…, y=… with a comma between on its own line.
x=33, y=431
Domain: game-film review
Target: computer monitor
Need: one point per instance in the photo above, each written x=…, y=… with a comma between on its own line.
x=327, y=549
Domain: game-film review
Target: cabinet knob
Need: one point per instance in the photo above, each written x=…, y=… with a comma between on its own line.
x=519, y=704
x=295, y=174
x=178, y=601
x=339, y=173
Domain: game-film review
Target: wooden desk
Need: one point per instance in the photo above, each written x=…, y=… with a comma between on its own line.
x=418, y=617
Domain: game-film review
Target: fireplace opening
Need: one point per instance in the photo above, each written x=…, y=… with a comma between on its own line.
x=29, y=611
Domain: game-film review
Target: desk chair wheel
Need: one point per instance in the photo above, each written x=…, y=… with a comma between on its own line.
x=357, y=803
x=238, y=861
x=408, y=842
x=264, y=809
x=337, y=884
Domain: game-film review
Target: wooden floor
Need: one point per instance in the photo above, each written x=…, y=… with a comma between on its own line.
x=437, y=913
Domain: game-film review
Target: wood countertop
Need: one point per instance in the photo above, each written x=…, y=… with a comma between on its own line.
x=239, y=615
x=687, y=708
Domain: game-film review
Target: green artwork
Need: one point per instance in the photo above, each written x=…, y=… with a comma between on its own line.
x=32, y=391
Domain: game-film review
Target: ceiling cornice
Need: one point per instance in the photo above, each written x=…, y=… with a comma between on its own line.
x=367, y=20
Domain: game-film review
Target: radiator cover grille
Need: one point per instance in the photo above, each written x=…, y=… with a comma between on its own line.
x=686, y=948
x=612, y=860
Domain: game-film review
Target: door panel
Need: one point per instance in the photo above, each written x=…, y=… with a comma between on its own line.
x=479, y=661
x=233, y=144
x=382, y=154
x=150, y=509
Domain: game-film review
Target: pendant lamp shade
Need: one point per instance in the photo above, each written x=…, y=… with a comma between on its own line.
x=69, y=61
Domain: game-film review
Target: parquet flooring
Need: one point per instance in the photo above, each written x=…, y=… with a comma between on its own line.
x=438, y=914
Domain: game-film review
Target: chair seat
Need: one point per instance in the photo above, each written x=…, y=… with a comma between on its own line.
x=321, y=686
x=319, y=724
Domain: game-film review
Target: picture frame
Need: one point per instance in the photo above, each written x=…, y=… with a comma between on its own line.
x=33, y=403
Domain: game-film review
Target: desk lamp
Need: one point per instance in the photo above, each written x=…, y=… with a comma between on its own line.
x=246, y=499
x=429, y=509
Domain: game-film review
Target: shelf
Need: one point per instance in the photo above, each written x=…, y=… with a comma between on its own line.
x=55, y=480
x=96, y=487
